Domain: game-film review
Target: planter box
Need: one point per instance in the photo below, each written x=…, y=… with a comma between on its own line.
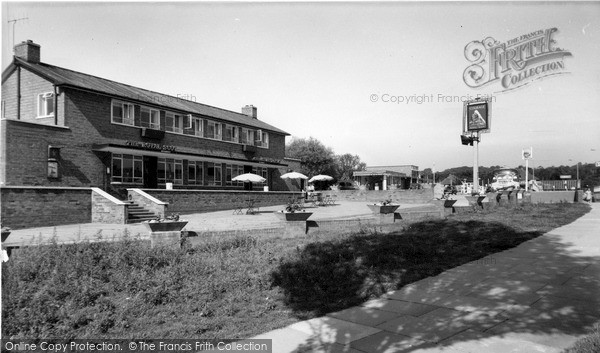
x=172, y=226
x=385, y=209
x=296, y=216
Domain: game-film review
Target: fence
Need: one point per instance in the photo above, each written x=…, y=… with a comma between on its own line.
x=550, y=185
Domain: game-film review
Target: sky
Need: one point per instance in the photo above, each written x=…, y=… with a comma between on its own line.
x=343, y=72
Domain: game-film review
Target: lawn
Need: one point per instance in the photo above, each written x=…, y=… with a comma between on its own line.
x=243, y=286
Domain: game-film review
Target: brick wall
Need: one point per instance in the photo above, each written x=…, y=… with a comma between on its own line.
x=398, y=196
x=31, y=86
x=193, y=201
x=27, y=207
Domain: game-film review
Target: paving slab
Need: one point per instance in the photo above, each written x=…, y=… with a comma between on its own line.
x=288, y=340
x=470, y=341
x=332, y=330
x=364, y=315
x=400, y=307
x=432, y=327
x=387, y=342
x=411, y=294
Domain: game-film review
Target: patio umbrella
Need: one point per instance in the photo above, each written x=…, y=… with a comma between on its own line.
x=320, y=177
x=294, y=175
x=249, y=178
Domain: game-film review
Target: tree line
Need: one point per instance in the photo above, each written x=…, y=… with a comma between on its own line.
x=316, y=158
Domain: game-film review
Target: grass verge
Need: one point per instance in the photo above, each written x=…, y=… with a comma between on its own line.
x=239, y=287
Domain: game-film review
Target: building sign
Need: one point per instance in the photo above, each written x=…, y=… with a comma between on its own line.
x=565, y=177
x=150, y=146
x=516, y=62
x=477, y=115
x=527, y=153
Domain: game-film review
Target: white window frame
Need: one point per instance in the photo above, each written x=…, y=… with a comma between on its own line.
x=218, y=130
x=264, y=141
x=43, y=100
x=199, y=127
x=176, y=122
x=127, y=109
x=151, y=123
x=135, y=178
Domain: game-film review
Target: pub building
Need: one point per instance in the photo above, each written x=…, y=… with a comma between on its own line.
x=66, y=128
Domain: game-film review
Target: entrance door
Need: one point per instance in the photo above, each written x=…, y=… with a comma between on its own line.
x=150, y=172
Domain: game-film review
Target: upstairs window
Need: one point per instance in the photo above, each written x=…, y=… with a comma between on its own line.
x=213, y=130
x=122, y=113
x=247, y=137
x=45, y=103
x=174, y=122
x=198, y=126
x=231, y=133
x=150, y=118
x=262, y=139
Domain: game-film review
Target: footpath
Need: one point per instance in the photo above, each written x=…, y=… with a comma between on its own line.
x=538, y=297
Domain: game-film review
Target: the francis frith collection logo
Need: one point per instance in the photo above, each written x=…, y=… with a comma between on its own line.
x=514, y=63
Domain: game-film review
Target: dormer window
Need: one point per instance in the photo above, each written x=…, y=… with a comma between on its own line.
x=45, y=103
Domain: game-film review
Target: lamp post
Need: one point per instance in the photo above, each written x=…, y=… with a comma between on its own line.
x=577, y=185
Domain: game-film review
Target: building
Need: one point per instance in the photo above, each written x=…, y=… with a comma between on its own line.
x=388, y=177
x=62, y=128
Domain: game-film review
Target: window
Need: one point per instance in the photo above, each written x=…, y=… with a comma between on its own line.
x=213, y=174
x=195, y=172
x=228, y=173
x=198, y=126
x=122, y=113
x=213, y=130
x=170, y=171
x=174, y=122
x=264, y=140
x=150, y=118
x=247, y=137
x=231, y=133
x=127, y=168
x=45, y=105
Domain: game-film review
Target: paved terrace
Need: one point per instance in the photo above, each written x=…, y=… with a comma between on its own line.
x=199, y=223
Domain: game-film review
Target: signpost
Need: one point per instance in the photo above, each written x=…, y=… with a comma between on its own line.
x=527, y=154
x=477, y=117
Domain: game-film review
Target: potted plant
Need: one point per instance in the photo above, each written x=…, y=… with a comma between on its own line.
x=168, y=224
x=293, y=212
x=384, y=207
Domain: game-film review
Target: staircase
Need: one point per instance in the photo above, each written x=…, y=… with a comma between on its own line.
x=138, y=214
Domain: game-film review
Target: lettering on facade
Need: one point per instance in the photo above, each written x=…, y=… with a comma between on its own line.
x=150, y=146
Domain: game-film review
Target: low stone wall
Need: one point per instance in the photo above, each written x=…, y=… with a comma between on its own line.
x=398, y=196
x=198, y=201
x=107, y=209
x=152, y=204
x=38, y=206
x=554, y=196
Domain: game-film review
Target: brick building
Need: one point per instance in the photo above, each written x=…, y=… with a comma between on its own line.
x=65, y=128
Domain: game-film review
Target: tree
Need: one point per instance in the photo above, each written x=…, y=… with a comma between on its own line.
x=347, y=164
x=315, y=157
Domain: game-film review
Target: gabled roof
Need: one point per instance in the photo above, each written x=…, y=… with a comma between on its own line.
x=69, y=78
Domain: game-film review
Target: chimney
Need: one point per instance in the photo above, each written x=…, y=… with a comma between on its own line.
x=28, y=51
x=250, y=110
